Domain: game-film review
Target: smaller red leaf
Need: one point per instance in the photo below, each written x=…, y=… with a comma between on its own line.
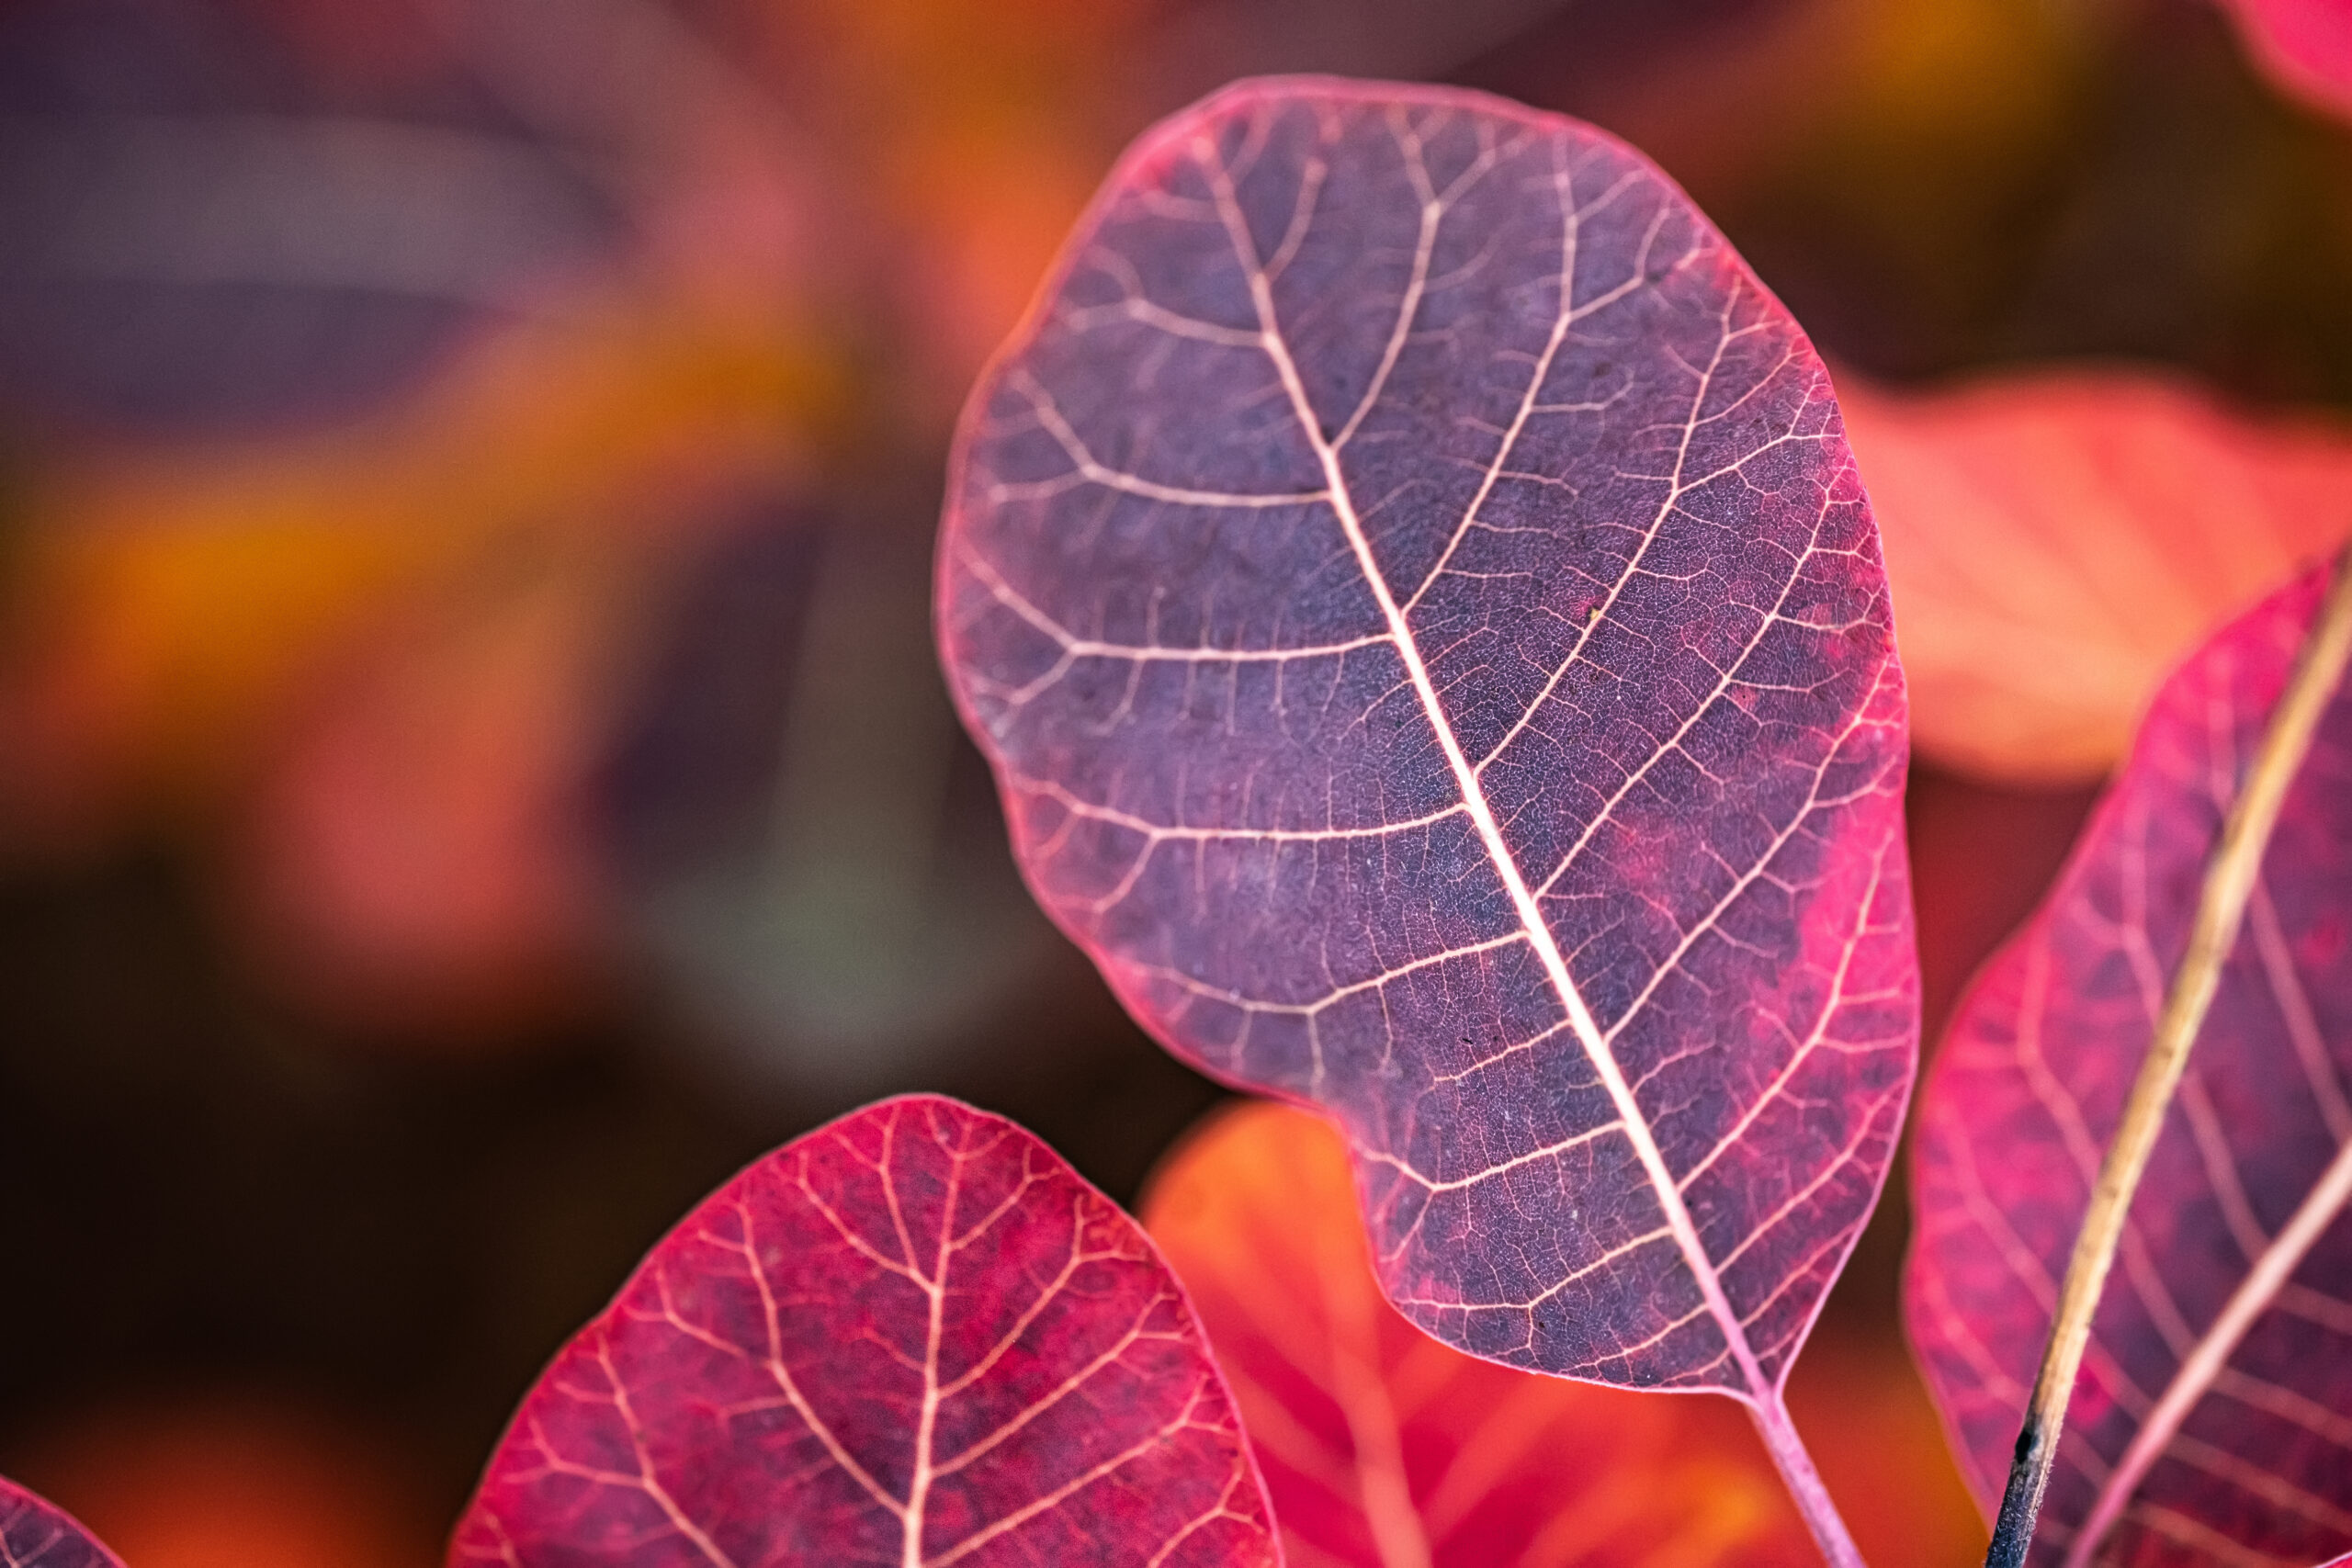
x=913, y=1337
x=39, y=1534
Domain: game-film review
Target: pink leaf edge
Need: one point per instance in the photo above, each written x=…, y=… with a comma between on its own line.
x=36, y=1533
x=912, y=1337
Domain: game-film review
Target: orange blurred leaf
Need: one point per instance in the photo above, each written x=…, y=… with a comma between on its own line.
x=176, y=602
x=236, y=1482
x=417, y=848
x=971, y=132
x=1383, y=1447
x=2057, y=542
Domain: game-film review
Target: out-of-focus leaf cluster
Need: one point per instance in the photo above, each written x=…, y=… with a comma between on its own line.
x=467, y=476
x=471, y=458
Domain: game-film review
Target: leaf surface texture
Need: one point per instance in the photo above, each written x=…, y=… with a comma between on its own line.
x=1431, y=637
x=913, y=1338
x=2209, y=1420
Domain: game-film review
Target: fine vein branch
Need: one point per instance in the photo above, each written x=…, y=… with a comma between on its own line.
x=2229, y=879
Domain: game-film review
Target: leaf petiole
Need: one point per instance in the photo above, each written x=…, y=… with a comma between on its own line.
x=1812, y=1498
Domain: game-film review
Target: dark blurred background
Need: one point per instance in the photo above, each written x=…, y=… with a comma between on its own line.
x=472, y=767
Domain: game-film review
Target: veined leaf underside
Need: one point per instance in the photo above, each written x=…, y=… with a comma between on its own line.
x=1414, y=589
x=35, y=1534
x=2206, y=1422
x=912, y=1337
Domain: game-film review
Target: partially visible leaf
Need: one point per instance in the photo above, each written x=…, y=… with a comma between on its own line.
x=2057, y=542
x=912, y=1337
x=2305, y=46
x=36, y=1534
x=2208, y=1420
x=1380, y=1446
x=808, y=842
x=1430, y=638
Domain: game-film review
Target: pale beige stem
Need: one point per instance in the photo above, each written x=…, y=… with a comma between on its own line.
x=2230, y=877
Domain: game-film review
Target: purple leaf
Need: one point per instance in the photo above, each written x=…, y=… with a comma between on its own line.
x=38, y=1534
x=913, y=1337
x=203, y=231
x=1431, y=635
x=2207, y=1423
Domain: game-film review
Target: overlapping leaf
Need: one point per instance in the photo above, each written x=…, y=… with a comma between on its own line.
x=35, y=1534
x=1432, y=640
x=914, y=1336
x=2058, y=542
x=2208, y=1424
x=1382, y=1446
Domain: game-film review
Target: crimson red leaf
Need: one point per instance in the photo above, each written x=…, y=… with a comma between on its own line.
x=914, y=1336
x=38, y=1534
x=2208, y=1421
x=1432, y=640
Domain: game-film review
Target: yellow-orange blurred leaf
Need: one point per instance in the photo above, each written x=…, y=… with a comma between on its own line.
x=417, y=851
x=968, y=135
x=174, y=602
x=2057, y=542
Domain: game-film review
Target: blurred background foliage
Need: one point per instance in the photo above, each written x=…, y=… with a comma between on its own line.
x=472, y=767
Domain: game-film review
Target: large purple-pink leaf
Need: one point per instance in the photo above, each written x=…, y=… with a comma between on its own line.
x=913, y=1337
x=35, y=1533
x=2208, y=1421
x=1411, y=582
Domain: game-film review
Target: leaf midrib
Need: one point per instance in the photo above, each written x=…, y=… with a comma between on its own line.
x=1759, y=1389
